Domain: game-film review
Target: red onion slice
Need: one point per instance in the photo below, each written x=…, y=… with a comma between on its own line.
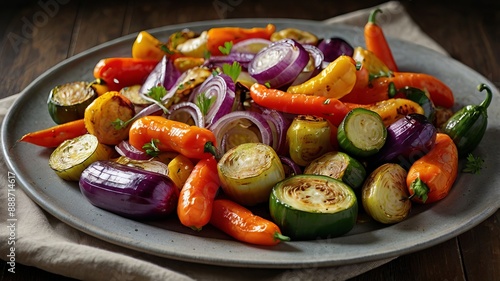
x=164, y=74
x=250, y=46
x=313, y=67
x=280, y=124
x=334, y=47
x=279, y=64
x=124, y=148
x=291, y=168
x=184, y=111
x=243, y=59
x=220, y=88
x=236, y=128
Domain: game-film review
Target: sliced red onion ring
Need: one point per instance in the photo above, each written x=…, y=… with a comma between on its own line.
x=279, y=64
x=124, y=148
x=291, y=168
x=313, y=67
x=250, y=46
x=164, y=74
x=184, y=111
x=242, y=58
x=236, y=128
x=334, y=47
x=221, y=88
x=281, y=125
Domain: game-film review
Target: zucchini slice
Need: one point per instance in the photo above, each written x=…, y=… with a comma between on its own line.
x=362, y=133
x=308, y=207
x=67, y=102
x=72, y=156
x=341, y=166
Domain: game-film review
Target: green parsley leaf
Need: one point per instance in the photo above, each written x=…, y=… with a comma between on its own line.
x=267, y=84
x=474, y=164
x=204, y=103
x=232, y=70
x=119, y=124
x=157, y=93
x=226, y=49
x=151, y=148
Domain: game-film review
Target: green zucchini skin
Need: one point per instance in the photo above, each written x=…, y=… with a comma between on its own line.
x=467, y=126
x=339, y=165
x=364, y=125
x=316, y=221
x=67, y=102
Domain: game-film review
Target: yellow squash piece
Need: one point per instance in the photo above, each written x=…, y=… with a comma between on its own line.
x=101, y=115
x=394, y=109
x=335, y=81
x=179, y=170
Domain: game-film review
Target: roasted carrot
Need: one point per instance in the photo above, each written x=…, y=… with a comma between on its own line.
x=378, y=89
x=376, y=42
x=196, y=198
x=329, y=108
x=218, y=36
x=169, y=135
x=241, y=224
x=54, y=136
x=431, y=177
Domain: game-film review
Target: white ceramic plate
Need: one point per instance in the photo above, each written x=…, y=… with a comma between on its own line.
x=473, y=198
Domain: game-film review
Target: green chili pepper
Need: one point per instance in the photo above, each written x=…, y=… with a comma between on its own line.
x=467, y=126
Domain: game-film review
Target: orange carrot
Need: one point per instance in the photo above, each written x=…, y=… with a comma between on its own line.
x=169, y=135
x=329, y=108
x=241, y=224
x=431, y=177
x=194, y=208
x=376, y=42
x=54, y=136
x=378, y=89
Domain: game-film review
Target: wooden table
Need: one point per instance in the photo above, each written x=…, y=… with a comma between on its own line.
x=468, y=30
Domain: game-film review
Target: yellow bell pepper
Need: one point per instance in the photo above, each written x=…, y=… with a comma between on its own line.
x=146, y=46
x=179, y=170
x=335, y=81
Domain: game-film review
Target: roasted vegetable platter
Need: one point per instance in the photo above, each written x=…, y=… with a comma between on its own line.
x=472, y=197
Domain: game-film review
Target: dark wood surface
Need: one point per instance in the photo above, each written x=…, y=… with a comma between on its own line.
x=468, y=30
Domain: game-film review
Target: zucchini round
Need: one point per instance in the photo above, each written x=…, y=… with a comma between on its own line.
x=72, y=156
x=362, y=133
x=341, y=166
x=308, y=207
x=67, y=102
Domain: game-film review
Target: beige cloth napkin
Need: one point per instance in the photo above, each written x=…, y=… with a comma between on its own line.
x=47, y=243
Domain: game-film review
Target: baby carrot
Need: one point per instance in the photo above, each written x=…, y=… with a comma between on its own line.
x=431, y=177
x=241, y=224
x=54, y=136
x=169, y=135
x=197, y=195
x=378, y=89
x=376, y=42
x=329, y=108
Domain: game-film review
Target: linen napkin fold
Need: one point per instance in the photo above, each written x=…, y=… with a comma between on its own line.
x=47, y=243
